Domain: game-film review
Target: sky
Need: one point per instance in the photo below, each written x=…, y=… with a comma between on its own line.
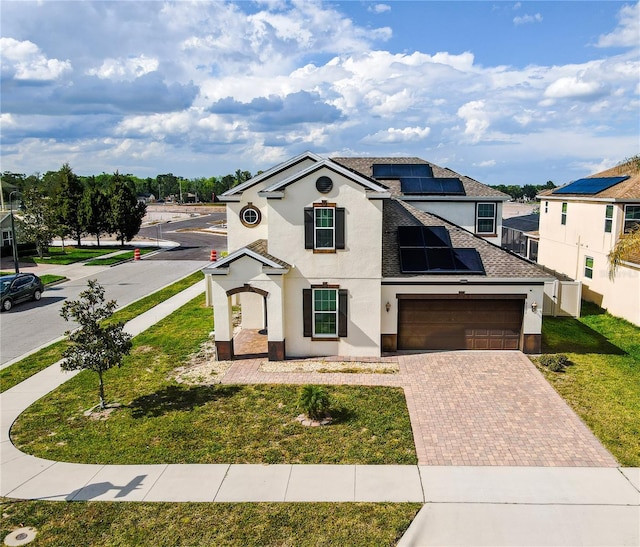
x=503, y=92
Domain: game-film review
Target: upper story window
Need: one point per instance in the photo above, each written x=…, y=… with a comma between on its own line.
x=324, y=227
x=250, y=216
x=608, y=219
x=546, y=206
x=486, y=218
x=563, y=216
x=631, y=217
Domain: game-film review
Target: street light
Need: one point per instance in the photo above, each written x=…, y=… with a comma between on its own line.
x=14, y=242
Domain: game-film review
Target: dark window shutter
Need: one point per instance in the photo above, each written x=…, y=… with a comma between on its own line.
x=339, y=227
x=342, y=312
x=308, y=229
x=307, y=314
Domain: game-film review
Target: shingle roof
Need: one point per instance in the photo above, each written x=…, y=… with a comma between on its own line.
x=497, y=262
x=524, y=223
x=626, y=190
x=364, y=165
x=261, y=247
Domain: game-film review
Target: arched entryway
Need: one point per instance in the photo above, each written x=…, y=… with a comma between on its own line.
x=249, y=310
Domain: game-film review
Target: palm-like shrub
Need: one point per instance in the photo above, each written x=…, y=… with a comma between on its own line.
x=315, y=401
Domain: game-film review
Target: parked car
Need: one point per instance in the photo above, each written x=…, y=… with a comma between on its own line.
x=19, y=287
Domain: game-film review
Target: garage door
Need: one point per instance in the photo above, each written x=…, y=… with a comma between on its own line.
x=450, y=324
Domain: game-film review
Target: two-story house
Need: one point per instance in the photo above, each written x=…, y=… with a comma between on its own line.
x=581, y=222
x=339, y=257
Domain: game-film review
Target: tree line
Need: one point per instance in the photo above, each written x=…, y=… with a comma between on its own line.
x=162, y=187
x=528, y=192
x=62, y=204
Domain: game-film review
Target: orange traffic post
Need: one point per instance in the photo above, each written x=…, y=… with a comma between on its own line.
x=214, y=255
x=136, y=254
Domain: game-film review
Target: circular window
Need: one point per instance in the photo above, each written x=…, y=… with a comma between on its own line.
x=324, y=185
x=250, y=216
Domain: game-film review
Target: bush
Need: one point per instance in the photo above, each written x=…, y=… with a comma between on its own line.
x=315, y=401
x=555, y=362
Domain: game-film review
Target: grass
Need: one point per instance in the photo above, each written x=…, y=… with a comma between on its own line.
x=602, y=385
x=71, y=255
x=124, y=524
x=45, y=357
x=162, y=421
x=127, y=255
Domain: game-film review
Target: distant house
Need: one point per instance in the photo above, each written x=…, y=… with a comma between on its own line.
x=146, y=198
x=581, y=222
x=359, y=256
x=520, y=235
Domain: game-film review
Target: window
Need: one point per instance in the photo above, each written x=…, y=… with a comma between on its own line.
x=608, y=219
x=250, y=216
x=546, y=206
x=6, y=237
x=588, y=267
x=563, y=217
x=324, y=227
x=486, y=218
x=631, y=217
x=324, y=309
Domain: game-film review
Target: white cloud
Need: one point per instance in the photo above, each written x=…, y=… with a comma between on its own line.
x=573, y=88
x=379, y=8
x=25, y=60
x=394, y=135
x=486, y=163
x=627, y=34
x=125, y=69
x=526, y=19
x=517, y=5
x=475, y=118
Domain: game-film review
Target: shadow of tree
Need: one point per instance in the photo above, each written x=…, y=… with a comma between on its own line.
x=341, y=415
x=566, y=334
x=172, y=398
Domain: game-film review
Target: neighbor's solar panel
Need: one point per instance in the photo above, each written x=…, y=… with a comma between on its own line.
x=589, y=186
x=423, y=236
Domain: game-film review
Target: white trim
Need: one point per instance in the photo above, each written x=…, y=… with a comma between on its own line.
x=266, y=174
x=244, y=251
x=446, y=198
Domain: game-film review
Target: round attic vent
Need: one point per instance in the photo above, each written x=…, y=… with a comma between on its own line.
x=324, y=185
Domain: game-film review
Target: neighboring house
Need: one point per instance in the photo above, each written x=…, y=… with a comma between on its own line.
x=580, y=224
x=337, y=257
x=520, y=235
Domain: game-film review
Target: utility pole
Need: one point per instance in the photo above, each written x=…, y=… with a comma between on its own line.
x=14, y=241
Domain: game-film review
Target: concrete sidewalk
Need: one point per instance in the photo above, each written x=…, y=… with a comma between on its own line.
x=465, y=505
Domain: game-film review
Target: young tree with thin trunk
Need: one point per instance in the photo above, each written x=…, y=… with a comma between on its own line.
x=38, y=223
x=94, y=345
x=94, y=212
x=67, y=198
x=628, y=246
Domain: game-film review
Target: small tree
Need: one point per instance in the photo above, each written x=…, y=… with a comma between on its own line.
x=38, y=223
x=94, y=346
x=125, y=212
x=93, y=212
x=315, y=401
x=627, y=246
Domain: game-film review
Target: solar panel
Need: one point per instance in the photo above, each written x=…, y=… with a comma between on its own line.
x=468, y=260
x=431, y=186
x=436, y=236
x=399, y=170
x=440, y=259
x=410, y=236
x=413, y=260
x=589, y=186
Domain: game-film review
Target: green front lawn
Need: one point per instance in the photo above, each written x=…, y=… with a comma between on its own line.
x=125, y=524
x=162, y=421
x=127, y=255
x=27, y=367
x=603, y=385
x=70, y=255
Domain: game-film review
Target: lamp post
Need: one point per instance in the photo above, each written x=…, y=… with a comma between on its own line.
x=14, y=242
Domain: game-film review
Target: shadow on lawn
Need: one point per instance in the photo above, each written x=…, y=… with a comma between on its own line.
x=173, y=398
x=568, y=335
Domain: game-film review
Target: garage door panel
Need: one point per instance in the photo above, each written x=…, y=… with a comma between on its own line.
x=459, y=324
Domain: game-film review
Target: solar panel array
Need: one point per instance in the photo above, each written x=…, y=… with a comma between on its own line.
x=428, y=249
x=589, y=186
x=418, y=179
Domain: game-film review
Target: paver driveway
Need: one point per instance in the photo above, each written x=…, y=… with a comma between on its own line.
x=470, y=408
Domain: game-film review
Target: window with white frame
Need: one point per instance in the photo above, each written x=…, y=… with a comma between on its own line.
x=324, y=227
x=588, y=267
x=608, y=219
x=631, y=217
x=486, y=218
x=7, y=238
x=325, y=313
x=563, y=216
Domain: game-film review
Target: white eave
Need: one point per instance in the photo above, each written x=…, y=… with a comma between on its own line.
x=233, y=193
x=449, y=197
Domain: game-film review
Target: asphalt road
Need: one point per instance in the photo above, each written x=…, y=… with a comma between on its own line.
x=195, y=244
x=30, y=325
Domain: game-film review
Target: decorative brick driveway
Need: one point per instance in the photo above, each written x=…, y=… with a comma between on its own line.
x=470, y=408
